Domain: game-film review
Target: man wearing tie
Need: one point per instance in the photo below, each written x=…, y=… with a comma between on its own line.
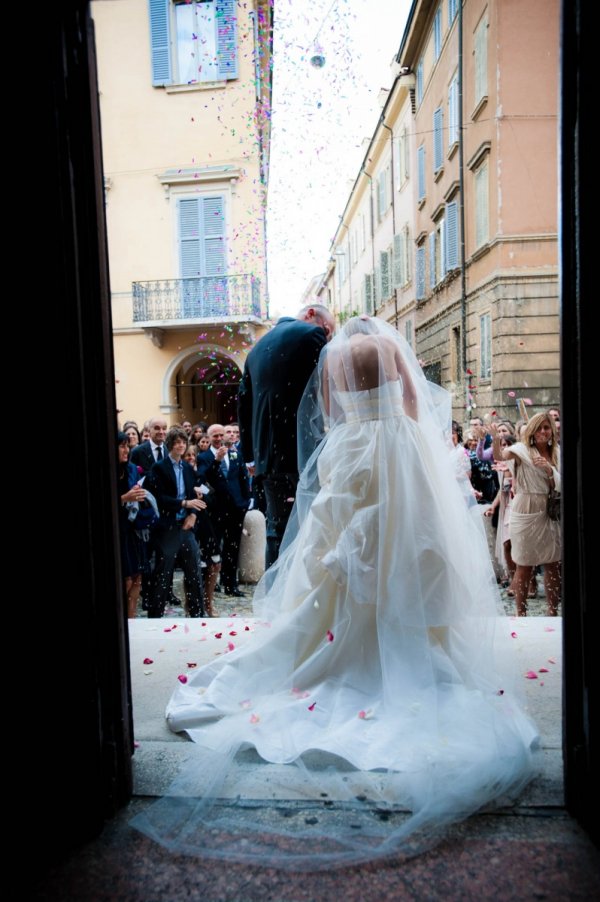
x=224, y=469
x=152, y=451
x=172, y=482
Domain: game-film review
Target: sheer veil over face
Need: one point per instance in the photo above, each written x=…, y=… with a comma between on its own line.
x=373, y=706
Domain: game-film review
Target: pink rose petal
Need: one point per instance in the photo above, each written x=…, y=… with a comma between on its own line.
x=551, y=661
x=312, y=707
x=167, y=629
x=549, y=629
x=233, y=633
x=543, y=670
x=247, y=629
x=513, y=635
x=148, y=661
x=182, y=678
x=192, y=664
x=531, y=675
x=218, y=635
x=329, y=636
x=512, y=394
x=230, y=646
x=365, y=715
x=254, y=718
x=136, y=745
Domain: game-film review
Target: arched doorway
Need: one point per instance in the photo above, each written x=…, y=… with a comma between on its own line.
x=206, y=384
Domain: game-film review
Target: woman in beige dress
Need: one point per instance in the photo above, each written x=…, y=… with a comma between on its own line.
x=535, y=538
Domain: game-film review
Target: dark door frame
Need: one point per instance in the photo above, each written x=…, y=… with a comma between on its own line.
x=81, y=768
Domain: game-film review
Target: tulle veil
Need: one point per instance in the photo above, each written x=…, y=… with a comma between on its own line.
x=375, y=706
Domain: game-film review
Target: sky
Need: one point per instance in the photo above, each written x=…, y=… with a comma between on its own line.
x=320, y=117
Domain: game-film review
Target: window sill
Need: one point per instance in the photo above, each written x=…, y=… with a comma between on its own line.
x=195, y=86
x=480, y=252
x=452, y=150
x=421, y=202
x=438, y=174
x=480, y=105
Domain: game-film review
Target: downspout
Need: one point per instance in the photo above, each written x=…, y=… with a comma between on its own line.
x=393, y=217
x=343, y=224
x=370, y=177
x=461, y=182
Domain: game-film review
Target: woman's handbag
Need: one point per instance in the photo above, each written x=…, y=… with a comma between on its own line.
x=553, y=505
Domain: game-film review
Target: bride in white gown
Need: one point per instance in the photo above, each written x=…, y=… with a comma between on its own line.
x=379, y=650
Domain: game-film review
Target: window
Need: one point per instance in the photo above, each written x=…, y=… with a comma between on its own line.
x=384, y=269
x=438, y=139
x=382, y=193
x=455, y=355
x=202, y=255
x=452, y=250
x=420, y=267
x=192, y=42
x=452, y=10
x=480, y=50
x=481, y=205
x=363, y=231
x=421, y=171
x=453, y=111
x=408, y=332
x=401, y=161
x=485, y=346
x=368, y=294
x=437, y=33
x=419, y=82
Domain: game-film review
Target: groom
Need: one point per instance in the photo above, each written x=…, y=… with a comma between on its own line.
x=275, y=376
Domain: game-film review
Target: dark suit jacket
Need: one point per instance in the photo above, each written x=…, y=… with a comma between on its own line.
x=231, y=489
x=275, y=376
x=163, y=485
x=143, y=457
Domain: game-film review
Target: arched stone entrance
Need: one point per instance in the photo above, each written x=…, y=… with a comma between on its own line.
x=203, y=381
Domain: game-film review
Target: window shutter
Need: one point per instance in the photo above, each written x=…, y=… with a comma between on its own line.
x=160, y=49
x=437, y=32
x=481, y=60
x=432, y=280
x=453, y=112
x=421, y=162
x=398, y=260
x=420, y=273
x=190, y=239
x=443, y=265
x=481, y=206
x=227, y=38
x=407, y=255
x=452, y=235
x=376, y=286
x=406, y=154
x=397, y=165
x=438, y=139
x=214, y=232
x=368, y=286
x=384, y=258
x=420, y=81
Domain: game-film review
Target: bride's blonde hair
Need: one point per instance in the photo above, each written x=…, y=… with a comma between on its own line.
x=532, y=427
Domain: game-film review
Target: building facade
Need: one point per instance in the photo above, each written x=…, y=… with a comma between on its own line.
x=185, y=91
x=464, y=258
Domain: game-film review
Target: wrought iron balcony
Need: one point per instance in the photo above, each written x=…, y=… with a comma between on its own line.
x=205, y=298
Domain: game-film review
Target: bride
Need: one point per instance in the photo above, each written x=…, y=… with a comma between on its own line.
x=373, y=670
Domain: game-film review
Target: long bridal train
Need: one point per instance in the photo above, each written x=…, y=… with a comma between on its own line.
x=376, y=676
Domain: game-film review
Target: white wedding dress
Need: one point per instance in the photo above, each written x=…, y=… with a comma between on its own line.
x=382, y=609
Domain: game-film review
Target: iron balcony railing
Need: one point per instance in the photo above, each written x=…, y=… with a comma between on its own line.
x=207, y=297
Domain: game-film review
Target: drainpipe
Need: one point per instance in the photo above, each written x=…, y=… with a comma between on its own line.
x=461, y=182
x=370, y=177
x=393, y=216
x=343, y=224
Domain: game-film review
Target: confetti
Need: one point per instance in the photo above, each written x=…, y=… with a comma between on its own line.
x=531, y=675
x=148, y=661
x=312, y=707
x=182, y=678
x=329, y=636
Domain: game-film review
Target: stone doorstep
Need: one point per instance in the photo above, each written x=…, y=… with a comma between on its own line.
x=172, y=643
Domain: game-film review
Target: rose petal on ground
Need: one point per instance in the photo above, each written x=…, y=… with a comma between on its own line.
x=513, y=635
x=218, y=635
x=329, y=636
x=148, y=661
x=230, y=646
x=182, y=678
x=312, y=707
x=192, y=664
x=531, y=675
x=549, y=629
x=233, y=633
x=543, y=670
x=551, y=661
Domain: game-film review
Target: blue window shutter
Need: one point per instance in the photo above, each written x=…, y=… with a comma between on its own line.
x=421, y=161
x=214, y=234
x=227, y=38
x=160, y=46
x=191, y=238
x=438, y=139
x=420, y=273
x=452, y=235
x=432, y=281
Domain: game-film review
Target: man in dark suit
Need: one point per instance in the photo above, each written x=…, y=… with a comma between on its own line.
x=146, y=454
x=223, y=467
x=275, y=376
x=172, y=482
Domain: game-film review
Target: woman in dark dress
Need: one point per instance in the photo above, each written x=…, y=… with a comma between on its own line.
x=134, y=559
